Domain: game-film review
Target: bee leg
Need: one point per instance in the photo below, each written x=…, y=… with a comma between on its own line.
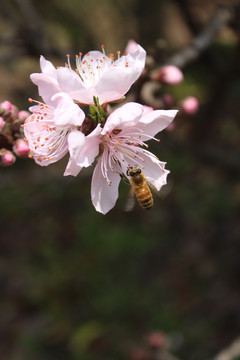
x=124, y=178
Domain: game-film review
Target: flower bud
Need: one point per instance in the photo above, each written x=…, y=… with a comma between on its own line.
x=138, y=353
x=147, y=109
x=190, y=105
x=23, y=114
x=169, y=75
x=14, y=112
x=131, y=46
x=6, y=157
x=21, y=148
x=170, y=127
x=6, y=105
x=157, y=339
x=2, y=122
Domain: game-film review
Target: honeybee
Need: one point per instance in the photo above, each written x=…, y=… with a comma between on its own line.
x=139, y=187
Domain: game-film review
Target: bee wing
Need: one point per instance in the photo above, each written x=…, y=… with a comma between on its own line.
x=163, y=192
x=130, y=201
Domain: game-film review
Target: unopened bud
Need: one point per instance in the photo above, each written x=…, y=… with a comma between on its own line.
x=147, y=109
x=2, y=122
x=6, y=157
x=21, y=148
x=170, y=127
x=14, y=112
x=6, y=105
x=138, y=353
x=23, y=114
x=190, y=105
x=157, y=339
x=131, y=46
x=169, y=75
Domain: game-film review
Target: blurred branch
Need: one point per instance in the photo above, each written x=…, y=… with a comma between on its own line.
x=31, y=29
x=204, y=40
x=231, y=352
x=189, y=19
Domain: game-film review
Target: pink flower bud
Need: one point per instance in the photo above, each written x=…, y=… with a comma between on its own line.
x=169, y=75
x=147, y=109
x=157, y=339
x=190, y=105
x=6, y=105
x=131, y=46
x=14, y=112
x=2, y=122
x=138, y=353
x=23, y=114
x=170, y=127
x=7, y=157
x=21, y=148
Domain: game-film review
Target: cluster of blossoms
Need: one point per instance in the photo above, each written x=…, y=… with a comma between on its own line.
x=114, y=139
x=12, y=143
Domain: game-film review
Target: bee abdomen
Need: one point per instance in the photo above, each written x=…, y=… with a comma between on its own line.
x=145, y=199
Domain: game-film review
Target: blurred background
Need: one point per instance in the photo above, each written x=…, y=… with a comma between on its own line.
x=158, y=285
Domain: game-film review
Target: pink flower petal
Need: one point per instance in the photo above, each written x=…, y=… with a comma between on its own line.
x=84, y=152
x=155, y=121
x=154, y=170
x=127, y=115
x=70, y=82
x=115, y=82
x=47, y=67
x=103, y=195
x=66, y=111
x=72, y=168
x=47, y=86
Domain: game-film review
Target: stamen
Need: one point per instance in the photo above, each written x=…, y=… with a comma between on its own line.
x=68, y=61
x=103, y=50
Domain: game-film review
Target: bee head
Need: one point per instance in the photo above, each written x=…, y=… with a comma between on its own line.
x=131, y=171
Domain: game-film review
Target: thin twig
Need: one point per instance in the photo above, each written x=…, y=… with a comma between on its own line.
x=202, y=41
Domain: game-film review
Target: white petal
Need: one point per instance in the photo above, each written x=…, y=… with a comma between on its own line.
x=76, y=141
x=47, y=86
x=72, y=168
x=66, y=111
x=115, y=82
x=86, y=155
x=154, y=170
x=47, y=67
x=131, y=46
x=104, y=196
x=155, y=121
x=70, y=82
x=127, y=115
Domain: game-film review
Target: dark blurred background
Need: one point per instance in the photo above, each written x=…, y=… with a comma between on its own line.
x=75, y=284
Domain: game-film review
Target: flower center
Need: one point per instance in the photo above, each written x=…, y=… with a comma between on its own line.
x=120, y=150
x=91, y=67
x=47, y=141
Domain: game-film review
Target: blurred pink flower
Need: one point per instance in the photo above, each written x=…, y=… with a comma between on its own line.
x=157, y=339
x=6, y=157
x=190, y=105
x=131, y=46
x=2, y=123
x=23, y=114
x=6, y=105
x=48, y=128
x=169, y=75
x=120, y=145
x=21, y=148
x=96, y=75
